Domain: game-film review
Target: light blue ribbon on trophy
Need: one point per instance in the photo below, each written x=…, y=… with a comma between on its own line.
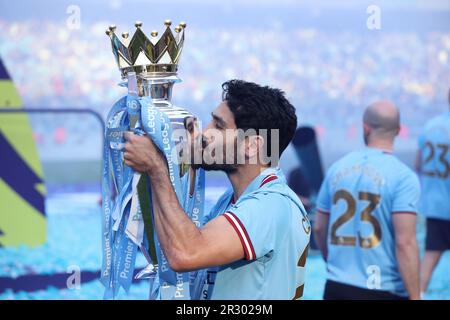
x=135, y=224
x=123, y=229
x=119, y=251
x=131, y=121
x=126, y=262
x=156, y=124
x=111, y=138
x=195, y=209
x=127, y=246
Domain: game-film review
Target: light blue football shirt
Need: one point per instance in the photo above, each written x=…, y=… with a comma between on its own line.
x=274, y=230
x=434, y=143
x=361, y=192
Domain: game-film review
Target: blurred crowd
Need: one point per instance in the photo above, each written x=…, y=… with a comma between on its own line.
x=329, y=77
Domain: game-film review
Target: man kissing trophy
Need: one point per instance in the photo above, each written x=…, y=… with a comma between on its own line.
x=148, y=68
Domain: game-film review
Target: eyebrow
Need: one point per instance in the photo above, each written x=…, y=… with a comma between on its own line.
x=218, y=119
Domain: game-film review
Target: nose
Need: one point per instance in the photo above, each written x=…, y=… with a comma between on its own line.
x=207, y=131
x=206, y=134
x=210, y=126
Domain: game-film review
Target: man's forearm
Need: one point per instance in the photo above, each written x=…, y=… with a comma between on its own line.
x=176, y=232
x=321, y=232
x=321, y=241
x=408, y=261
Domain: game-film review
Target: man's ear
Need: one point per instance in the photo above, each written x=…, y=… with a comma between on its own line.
x=254, y=146
x=366, y=129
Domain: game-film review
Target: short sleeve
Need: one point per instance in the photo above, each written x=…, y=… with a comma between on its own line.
x=260, y=221
x=324, y=197
x=407, y=194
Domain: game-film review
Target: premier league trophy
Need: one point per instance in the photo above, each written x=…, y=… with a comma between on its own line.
x=148, y=68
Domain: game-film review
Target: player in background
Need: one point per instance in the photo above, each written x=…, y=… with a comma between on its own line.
x=366, y=219
x=433, y=166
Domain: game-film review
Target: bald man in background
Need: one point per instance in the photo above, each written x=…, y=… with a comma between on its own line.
x=366, y=220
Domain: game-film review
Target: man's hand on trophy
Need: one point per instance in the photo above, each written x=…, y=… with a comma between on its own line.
x=141, y=154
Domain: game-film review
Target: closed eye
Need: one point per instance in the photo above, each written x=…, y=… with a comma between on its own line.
x=219, y=123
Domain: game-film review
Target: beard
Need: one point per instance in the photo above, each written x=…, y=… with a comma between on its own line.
x=227, y=168
x=212, y=165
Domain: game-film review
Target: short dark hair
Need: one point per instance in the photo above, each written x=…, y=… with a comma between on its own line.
x=257, y=107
